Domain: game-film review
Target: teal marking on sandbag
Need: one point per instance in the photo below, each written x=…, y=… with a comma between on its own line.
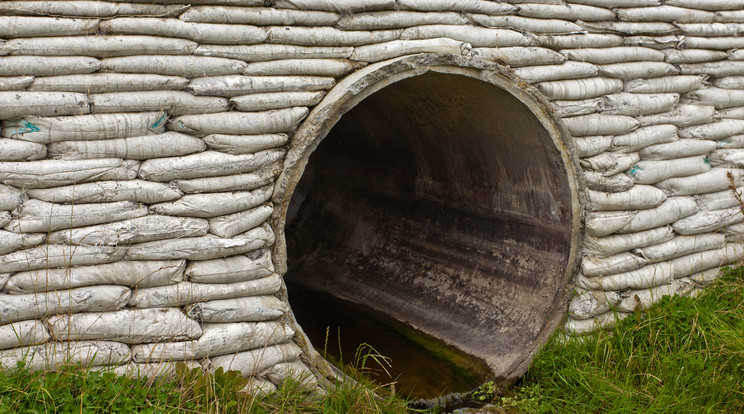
x=634, y=170
x=159, y=121
x=707, y=161
x=27, y=127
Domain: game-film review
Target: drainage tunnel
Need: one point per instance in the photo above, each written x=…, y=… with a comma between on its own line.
x=443, y=201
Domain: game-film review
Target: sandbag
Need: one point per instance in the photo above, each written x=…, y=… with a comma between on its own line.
x=292, y=371
x=10, y=242
x=395, y=48
x=15, y=150
x=610, y=163
x=651, y=172
x=84, y=127
x=262, y=16
x=53, y=256
x=38, y=305
x=239, y=182
x=130, y=326
x=643, y=299
x=731, y=113
x=251, y=362
x=205, y=164
x=347, y=6
x=680, y=246
x=596, y=124
x=708, y=221
x=4, y=218
x=16, y=104
x=577, y=41
x=717, y=130
x=705, y=278
x=666, y=84
x=198, y=32
x=47, y=65
x=630, y=28
x=568, y=70
x=565, y=109
x=319, y=67
x=699, y=262
x=527, y=24
x=41, y=216
x=258, y=53
x=475, y=36
x=53, y=173
x=644, y=137
x=665, y=14
x=132, y=274
x=603, y=56
x=634, y=104
x=657, y=274
x=86, y=8
x=518, y=56
x=328, y=36
x=23, y=333
x=55, y=354
x=395, y=19
x=719, y=43
x=12, y=83
x=719, y=200
x=727, y=158
x=683, y=116
x=714, y=180
x=217, y=339
x=634, y=70
x=240, y=222
x=107, y=82
x=276, y=100
x=580, y=88
x=683, y=148
x=253, y=265
x=173, y=102
x=138, y=191
x=637, y=197
x=712, y=5
x=603, y=321
x=592, y=303
x=138, y=230
x=600, y=224
x=693, y=55
x=250, y=309
x=714, y=69
x=236, y=85
x=613, y=184
x=656, y=42
x=717, y=97
x=465, y=6
x=624, y=262
x=186, y=293
x=182, y=66
x=202, y=248
x=619, y=3
x=729, y=82
x=235, y=123
x=612, y=245
x=563, y=11
x=671, y=210
x=100, y=46
x=169, y=144
x=214, y=204
x=10, y=198
x=589, y=146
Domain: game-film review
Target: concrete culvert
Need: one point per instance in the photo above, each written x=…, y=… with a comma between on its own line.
x=442, y=194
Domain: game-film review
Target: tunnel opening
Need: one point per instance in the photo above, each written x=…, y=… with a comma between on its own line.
x=443, y=201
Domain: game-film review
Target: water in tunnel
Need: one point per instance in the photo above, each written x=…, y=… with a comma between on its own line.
x=442, y=201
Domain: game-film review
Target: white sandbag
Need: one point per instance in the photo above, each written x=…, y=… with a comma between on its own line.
x=665, y=14
x=712, y=5
x=637, y=197
x=657, y=274
x=46, y=65
x=53, y=173
x=683, y=116
x=716, y=130
x=733, y=142
x=38, y=305
x=250, y=309
x=589, y=146
x=465, y=6
x=693, y=56
x=173, y=102
x=731, y=113
x=16, y=104
x=328, y=36
x=613, y=184
x=23, y=333
x=596, y=124
x=592, y=303
x=600, y=224
x=86, y=353
x=719, y=43
x=276, y=100
x=705, y=278
x=527, y=24
x=630, y=28
x=635, y=104
x=258, y=387
x=389, y=50
x=182, y=66
x=603, y=321
x=667, y=84
x=217, y=339
x=518, y=56
x=476, y=36
x=262, y=16
x=397, y=19
x=156, y=370
x=12, y=83
x=717, y=97
x=612, y=245
x=240, y=268
x=258, y=53
x=27, y=26
x=10, y=198
x=186, y=293
x=132, y=274
x=734, y=233
x=240, y=222
x=292, y=371
x=4, y=218
x=100, y=46
x=205, y=164
x=603, y=56
x=86, y=8
x=580, y=88
x=347, y=6
x=699, y=262
x=10, y=242
x=736, y=54
x=624, y=262
x=53, y=256
x=576, y=108
x=618, y=3
x=708, y=221
x=710, y=29
x=651, y=172
x=727, y=158
x=236, y=85
x=241, y=123
x=714, y=180
x=714, y=69
x=107, y=82
x=643, y=299
x=131, y=326
x=580, y=41
x=108, y=191
x=680, y=246
x=138, y=230
x=40, y=216
x=198, y=32
x=671, y=210
x=563, y=11
x=239, y=182
x=678, y=149
x=610, y=163
x=719, y=200
x=644, y=137
x=202, y=248
x=319, y=67
x=169, y=144
x=84, y=127
x=257, y=360
x=15, y=150
x=729, y=82
x=568, y=70
x=656, y=42
x=634, y=70
x=214, y=204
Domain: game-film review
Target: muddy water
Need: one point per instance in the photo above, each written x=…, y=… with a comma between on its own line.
x=421, y=366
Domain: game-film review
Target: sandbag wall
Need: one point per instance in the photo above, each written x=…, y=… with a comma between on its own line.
x=141, y=142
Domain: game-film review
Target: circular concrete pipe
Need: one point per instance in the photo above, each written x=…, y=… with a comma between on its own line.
x=443, y=194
